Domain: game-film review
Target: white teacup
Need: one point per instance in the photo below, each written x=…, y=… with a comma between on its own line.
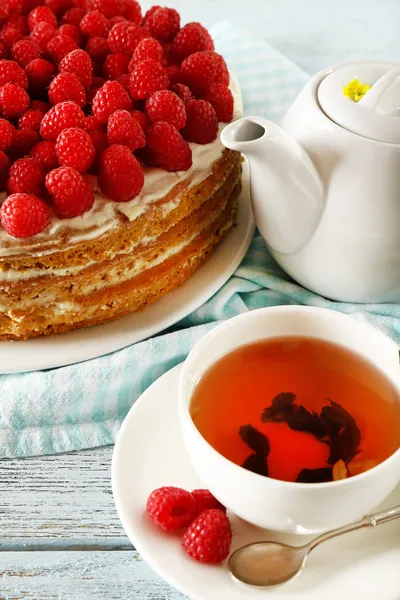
x=270, y=503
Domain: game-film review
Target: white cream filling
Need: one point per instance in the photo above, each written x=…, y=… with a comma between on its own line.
x=103, y=216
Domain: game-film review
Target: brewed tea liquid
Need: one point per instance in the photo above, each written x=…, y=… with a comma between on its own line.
x=235, y=391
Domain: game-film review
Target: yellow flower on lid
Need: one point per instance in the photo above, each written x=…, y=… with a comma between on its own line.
x=355, y=90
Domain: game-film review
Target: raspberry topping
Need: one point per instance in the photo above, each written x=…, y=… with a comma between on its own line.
x=166, y=106
x=7, y=132
x=24, y=215
x=41, y=14
x=120, y=175
x=115, y=65
x=205, y=500
x=133, y=12
x=202, y=69
x=220, y=97
x=111, y=97
x=147, y=48
x=71, y=194
x=9, y=36
x=67, y=86
x=43, y=34
x=124, y=37
x=166, y=148
x=74, y=149
x=97, y=48
x=60, y=117
x=183, y=92
x=24, y=51
x=79, y=63
x=202, y=123
x=73, y=31
x=192, y=38
x=171, y=508
x=123, y=129
x=109, y=8
x=45, y=154
x=26, y=176
x=141, y=119
x=13, y=100
x=73, y=16
x=4, y=168
x=60, y=46
x=11, y=72
x=163, y=24
x=39, y=72
x=208, y=539
x=148, y=77
x=30, y=120
x=94, y=24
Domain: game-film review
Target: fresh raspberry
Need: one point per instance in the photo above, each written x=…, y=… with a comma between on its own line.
x=146, y=78
x=45, y=154
x=62, y=116
x=166, y=148
x=166, y=106
x=150, y=13
x=97, y=48
x=13, y=100
x=171, y=508
x=141, y=119
x=24, y=215
x=24, y=51
x=100, y=143
x=41, y=14
x=133, y=12
x=30, y=120
x=98, y=82
x=109, y=8
x=23, y=142
x=147, y=48
x=5, y=164
x=192, y=38
x=124, y=37
x=26, y=176
x=59, y=7
x=44, y=107
x=183, y=92
x=40, y=72
x=67, y=86
x=60, y=46
x=123, y=129
x=208, y=539
x=174, y=74
x=205, y=500
x=79, y=63
x=120, y=175
x=11, y=72
x=18, y=22
x=9, y=36
x=221, y=98
x=43, y=34
x=80, y=4
x=125, y=81
x=114, y=20
x=72, y=195
x=202, y=123
x=115, y=65
x=163, y=24
x=73, y=31
x=73, y=16
x=109, y=98
x=3, y=52
x=28, y=5
x=7, y=132
x=92, y=124
x=94, y=24
x=202, y=69
x=74, y=149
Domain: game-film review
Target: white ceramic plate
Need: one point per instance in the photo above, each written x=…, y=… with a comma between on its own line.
x=84, y=344
x=149, y=453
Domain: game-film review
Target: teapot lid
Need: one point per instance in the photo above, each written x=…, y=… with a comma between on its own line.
x=364, y=98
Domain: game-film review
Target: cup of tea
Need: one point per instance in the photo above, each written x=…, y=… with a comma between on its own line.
x=291, y=417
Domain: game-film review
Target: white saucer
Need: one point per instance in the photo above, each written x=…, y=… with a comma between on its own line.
x=84, y=344
x=149, y=453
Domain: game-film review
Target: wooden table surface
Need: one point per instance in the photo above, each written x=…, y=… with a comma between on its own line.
x=60, y=537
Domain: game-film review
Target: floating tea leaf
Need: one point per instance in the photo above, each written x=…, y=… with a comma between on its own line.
x=336, y=415
x=344, y=446
x=315, y=475
x=281, y=405
x=303, y=420
x=255, y=440
x=256, y=464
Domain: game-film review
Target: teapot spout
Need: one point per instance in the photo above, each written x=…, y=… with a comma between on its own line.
x=287, y=191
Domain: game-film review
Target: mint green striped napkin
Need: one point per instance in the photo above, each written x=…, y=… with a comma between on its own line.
x=82, y=406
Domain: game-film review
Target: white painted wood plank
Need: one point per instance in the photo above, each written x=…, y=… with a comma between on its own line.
x=64, y=497
x=80, y=576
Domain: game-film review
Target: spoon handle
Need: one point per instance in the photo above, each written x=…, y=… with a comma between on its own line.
x=368, y=521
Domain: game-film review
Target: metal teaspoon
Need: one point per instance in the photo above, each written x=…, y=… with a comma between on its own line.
x=271, y=563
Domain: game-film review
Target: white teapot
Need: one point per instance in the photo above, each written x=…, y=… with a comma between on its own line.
x=326, y=186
